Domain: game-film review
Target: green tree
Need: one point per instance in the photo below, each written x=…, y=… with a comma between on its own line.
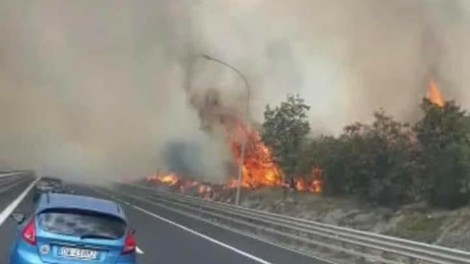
x=285, y=131
x=375, y=162
x=392, y=162
x=444, y=136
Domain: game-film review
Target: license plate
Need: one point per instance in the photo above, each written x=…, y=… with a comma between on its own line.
x=78, y=253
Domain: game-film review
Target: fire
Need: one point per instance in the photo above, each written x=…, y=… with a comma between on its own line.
x=167, y=179
x=187, y=185
x=315, y=185
x=203, y=189
x=258, y=167
x=233, y=183
x=434, y=95
x=301, y=185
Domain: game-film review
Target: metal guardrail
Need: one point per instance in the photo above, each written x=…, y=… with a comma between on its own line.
x=11, y=174
x=385, y=249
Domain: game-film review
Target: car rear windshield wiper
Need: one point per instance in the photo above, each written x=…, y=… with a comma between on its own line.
x=97, y=236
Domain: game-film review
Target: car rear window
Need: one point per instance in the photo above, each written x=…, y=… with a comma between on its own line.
x=82, y=223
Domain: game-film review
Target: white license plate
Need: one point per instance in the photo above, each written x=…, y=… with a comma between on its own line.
x=78, y=253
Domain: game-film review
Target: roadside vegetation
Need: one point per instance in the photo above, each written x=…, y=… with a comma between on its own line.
x=387, y=162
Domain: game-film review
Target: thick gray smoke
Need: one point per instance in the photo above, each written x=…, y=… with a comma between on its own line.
x=95, y=89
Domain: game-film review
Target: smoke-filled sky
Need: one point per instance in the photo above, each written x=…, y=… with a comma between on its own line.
x=95, y=89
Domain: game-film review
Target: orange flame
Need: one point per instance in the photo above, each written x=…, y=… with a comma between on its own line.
x=315, y=185
x=434, y=95
x=168, y=179
x=233, y=183
x=187, y=185
x=301, y=185
x=258, y=167
x=203, y=189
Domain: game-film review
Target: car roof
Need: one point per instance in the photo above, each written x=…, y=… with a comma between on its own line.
x=49, y=178
x=72, y=201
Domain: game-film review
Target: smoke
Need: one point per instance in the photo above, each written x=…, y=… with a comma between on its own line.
x=97, y=90
x=347, y=58
x=91, y=90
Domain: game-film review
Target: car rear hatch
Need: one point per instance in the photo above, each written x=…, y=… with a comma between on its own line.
x=43, y=186
x=75, y=236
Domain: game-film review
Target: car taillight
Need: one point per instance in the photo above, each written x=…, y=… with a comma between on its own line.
x=29, y=232
x=129, y=244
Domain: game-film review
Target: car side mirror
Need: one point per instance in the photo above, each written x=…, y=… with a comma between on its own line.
x=18, y=218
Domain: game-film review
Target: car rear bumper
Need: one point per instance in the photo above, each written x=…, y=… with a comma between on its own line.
x=30, y=258
x=25, y=257
x=25, y=254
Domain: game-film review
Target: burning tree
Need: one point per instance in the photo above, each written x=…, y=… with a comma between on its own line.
x=391, y=163
x=386, y=162
x=444, y=137
x=258, y=168
x=434, y=94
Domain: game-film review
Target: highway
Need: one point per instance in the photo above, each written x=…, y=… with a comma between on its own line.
x=163, y=236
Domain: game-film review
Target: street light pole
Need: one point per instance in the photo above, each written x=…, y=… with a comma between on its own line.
x=247, y=121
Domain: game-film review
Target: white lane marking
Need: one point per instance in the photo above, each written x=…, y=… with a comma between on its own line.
x=232, y=230
x=243, y=253
x=203, y=236
x=11, y=186
x=11, y=207
x=139, y=251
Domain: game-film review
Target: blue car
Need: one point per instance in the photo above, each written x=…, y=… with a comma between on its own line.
x=73, y=229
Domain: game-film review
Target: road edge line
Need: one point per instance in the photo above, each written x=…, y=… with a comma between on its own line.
x=139, y=251
x=243, y=253
x=12, y=206
x=149, y=200
x=187, y=229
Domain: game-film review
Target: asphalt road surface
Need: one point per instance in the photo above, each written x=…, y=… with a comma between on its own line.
x=163, y=236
